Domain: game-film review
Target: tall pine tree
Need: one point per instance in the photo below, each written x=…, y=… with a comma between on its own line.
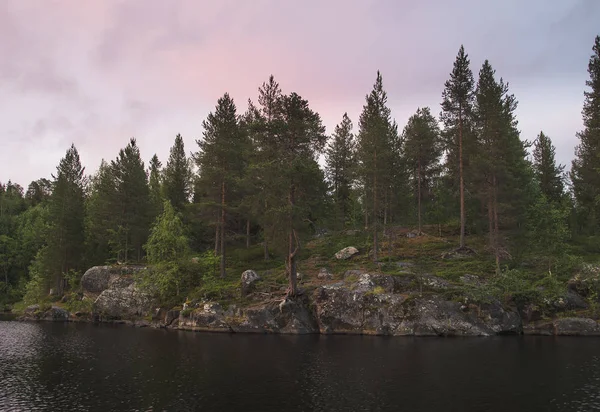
x=177, y=176
x=221, y=164
x=340, y=158
x=585, y=171
x=131, y=204
x=457, y=107
x=66, y=236
x=422, y=151
x=375, y=141
x=548, y=174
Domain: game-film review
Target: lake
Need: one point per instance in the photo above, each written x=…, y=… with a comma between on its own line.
x=85, y=367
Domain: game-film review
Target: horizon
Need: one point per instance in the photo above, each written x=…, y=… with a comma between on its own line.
x=138, y=69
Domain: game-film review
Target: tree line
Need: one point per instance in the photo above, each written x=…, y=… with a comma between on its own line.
x=254, y=177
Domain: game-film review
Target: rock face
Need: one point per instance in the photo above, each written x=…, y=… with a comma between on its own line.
x=123, y=303
x=99, y=278
x=564, y=327
x=115, y=292
x=324, y=274
x=346, y=253
x=288, y=316
x=372, y=307
x=54, y=313
x=249, y=277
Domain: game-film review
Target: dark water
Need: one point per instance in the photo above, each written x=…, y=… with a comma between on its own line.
x=72, y=367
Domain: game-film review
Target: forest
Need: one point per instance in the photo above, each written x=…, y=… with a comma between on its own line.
x=264, y=181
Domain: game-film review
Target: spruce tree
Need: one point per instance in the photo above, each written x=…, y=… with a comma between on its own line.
x=457, y=105
x=101, y=215
x=131, y=204
x=548, y=174
x=177, y=176
x=155, y=186
x=66, y=236
x=340, y=158
x=585, y=170
x=422, y=151
x=221, y=164
x=375, y=142
x=503, y=174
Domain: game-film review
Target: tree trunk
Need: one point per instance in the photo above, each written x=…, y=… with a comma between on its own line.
x=419, y=195
x=496, y=226
x=292, y=245
x=461, y=183
x=223, y=215
x=247, y=234
x=266, y=248
x=375, y=242
x=217, y=232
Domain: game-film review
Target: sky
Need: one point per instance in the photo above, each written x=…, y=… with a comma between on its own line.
x=99, y=72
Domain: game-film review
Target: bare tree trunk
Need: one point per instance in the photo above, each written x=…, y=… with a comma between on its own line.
x=266, y=248
x=462, y=182
x=217, y=233
x=223, y=215
x=292, y=245
x=419, y=195
x=375, y=242
x=247, y=233
x=496, y=226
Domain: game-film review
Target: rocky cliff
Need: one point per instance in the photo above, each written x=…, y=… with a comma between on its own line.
x=360, y=303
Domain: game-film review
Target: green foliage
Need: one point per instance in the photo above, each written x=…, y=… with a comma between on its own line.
x=340, y=169
x=177, y=176
x=585, y=170
x=548, y=174
x=167, y=241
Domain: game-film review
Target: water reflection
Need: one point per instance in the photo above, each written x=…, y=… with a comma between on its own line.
x=72, y=367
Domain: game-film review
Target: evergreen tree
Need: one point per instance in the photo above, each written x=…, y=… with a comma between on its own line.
x=585, y=171
x=548, y=174
x=457, y=105
x=131, y=204
x=340, y=167
x=263, y=124
x=221, y=163
x=177, y=176
x=422, y=151
x=101, y=215
x=301, y=137
x=65, y=238
x=503, y=173
x=376, y=140
x=38, y=191
x=155, y=186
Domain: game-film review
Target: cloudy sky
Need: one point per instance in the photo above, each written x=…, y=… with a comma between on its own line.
x=97, y=72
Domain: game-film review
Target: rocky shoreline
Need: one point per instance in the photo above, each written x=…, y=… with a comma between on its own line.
x=360, y=304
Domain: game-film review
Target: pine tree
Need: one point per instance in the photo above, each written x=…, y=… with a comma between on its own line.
x=340, y=167
x=548, y=174
x=301, y=137
x=131, y=204
x=155, y=186
x=101, y=215
x=221, y=163
x=422, y=151
x=177, y=176
x=457, y=105
x=263, y=125
x=375, y=142
x=65, y=238
x=501, y=166
x=585, y=171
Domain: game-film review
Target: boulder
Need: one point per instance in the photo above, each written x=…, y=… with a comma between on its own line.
x=123, y=303
x=248, y=279
x=99, y=278
x=346, y=253
x=564, y=327
x=324, y=274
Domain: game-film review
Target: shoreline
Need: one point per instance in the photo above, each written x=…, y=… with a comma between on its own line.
x=568, y=326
